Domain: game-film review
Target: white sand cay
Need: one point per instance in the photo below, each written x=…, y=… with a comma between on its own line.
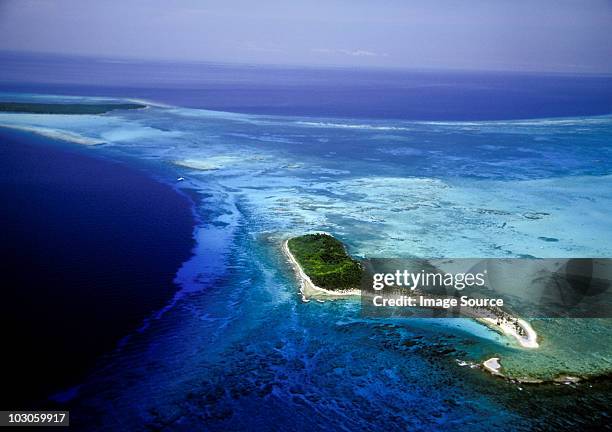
x=309, y=290
x=527, y=340
x=492, y=365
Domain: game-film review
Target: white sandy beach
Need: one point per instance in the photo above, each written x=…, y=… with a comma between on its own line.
x=492, y=365
x=55, y=134
x=528, y=340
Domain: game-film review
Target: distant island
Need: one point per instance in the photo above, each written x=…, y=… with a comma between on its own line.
x=61, y=108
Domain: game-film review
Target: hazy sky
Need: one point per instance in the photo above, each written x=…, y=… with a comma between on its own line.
x=541, y=35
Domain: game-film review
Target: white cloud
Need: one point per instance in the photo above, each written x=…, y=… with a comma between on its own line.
x=352, y=53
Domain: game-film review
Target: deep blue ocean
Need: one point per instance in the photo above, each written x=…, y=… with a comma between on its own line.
x=193, y=318
x=90, y=248
x=293, y=91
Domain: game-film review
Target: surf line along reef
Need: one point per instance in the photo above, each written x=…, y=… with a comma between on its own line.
x=326, y=271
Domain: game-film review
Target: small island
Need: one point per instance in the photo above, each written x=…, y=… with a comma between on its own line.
x=327, y=271
x=65, y=108
x=323, y=265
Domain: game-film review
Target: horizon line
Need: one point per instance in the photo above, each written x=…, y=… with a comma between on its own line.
x=123, y=59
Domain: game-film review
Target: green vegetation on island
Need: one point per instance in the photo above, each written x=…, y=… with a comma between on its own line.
x=60, y=108
x=325, y=261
